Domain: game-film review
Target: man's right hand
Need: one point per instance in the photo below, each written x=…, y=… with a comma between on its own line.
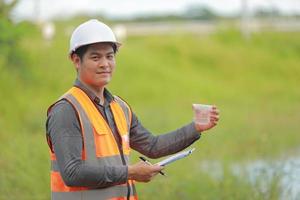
x=143, y=172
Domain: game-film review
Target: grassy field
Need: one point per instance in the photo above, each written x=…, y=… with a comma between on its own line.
x=254, y=83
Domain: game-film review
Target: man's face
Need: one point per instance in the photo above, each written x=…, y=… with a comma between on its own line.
x=97, y=65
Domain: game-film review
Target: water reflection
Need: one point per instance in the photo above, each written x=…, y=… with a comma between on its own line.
x=262, y=175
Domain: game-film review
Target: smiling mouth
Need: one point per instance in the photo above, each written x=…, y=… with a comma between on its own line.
x=103, y=72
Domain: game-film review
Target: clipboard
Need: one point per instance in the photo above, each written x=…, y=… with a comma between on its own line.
x=175, y=157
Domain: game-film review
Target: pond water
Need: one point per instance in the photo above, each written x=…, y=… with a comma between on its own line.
x=262, y=174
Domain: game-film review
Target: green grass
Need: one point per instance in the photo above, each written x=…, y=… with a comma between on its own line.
x=254, y=83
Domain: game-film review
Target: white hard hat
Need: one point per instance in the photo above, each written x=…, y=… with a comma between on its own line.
x=90, y=32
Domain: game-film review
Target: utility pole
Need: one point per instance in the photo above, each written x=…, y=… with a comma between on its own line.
x=245, y=29
x=37, y=11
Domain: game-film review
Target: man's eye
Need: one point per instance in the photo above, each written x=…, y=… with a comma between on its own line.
x=95, y=57
x=110, y=57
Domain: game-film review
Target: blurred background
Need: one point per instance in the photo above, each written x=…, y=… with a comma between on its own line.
x=242, y=55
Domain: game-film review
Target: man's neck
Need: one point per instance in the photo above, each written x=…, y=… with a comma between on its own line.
x=98, y=91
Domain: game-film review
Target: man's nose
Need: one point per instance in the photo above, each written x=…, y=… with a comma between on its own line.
x=104, y=63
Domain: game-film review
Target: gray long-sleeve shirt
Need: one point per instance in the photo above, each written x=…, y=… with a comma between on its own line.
x=63, y=129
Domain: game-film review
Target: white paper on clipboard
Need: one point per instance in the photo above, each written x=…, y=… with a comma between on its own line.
x=175, y=157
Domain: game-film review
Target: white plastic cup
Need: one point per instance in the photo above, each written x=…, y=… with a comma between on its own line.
x=202, y=113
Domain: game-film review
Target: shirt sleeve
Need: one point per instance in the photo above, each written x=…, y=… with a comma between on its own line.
x=152, y=146
x=63, y=128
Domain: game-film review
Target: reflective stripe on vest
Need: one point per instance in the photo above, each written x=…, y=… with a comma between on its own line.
x=99, y=148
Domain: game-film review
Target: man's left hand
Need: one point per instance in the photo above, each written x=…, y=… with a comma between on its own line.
x=214, y=118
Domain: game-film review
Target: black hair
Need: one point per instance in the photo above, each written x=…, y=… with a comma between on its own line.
x=83, y=49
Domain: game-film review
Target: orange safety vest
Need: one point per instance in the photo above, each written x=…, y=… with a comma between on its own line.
x=100, y=148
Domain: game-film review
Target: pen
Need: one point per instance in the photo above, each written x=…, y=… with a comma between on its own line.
x=146, y=161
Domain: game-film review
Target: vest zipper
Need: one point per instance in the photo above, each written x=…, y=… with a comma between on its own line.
x=119, y=144
x=120, y=147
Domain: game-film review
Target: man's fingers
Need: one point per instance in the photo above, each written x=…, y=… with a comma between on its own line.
x=157, y=168
x=215, y=111
x=214, y=118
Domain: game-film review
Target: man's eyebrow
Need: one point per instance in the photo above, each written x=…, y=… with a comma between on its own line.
x=94, y=53
x=110, y=52
x=97, y=53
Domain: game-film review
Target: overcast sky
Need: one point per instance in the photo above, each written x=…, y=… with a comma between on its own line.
x=27, y=9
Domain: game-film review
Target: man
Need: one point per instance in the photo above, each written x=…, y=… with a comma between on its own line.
x=90, y=132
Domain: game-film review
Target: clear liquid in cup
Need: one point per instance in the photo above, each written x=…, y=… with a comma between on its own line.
x=202, y=113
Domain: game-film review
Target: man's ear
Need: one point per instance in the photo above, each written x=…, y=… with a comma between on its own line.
x=76, y=60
